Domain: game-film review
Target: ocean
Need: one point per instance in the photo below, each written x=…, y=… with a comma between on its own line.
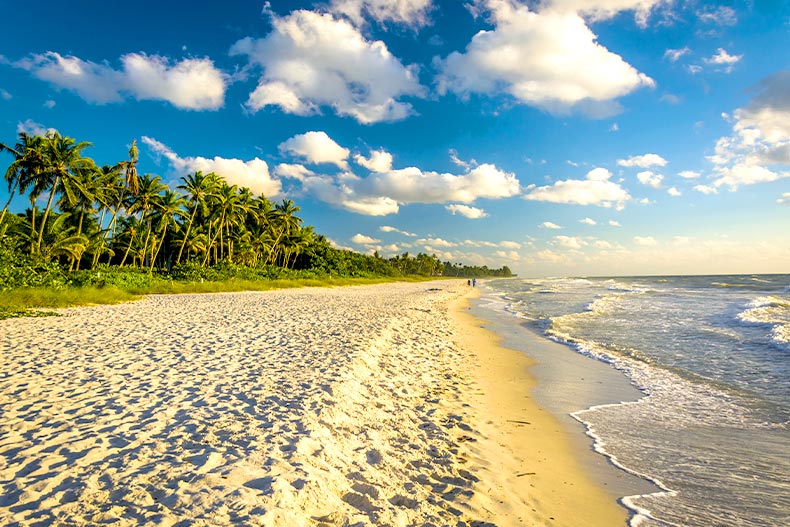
x=711, y=354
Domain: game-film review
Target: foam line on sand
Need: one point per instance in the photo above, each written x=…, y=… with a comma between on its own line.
x=372, y=405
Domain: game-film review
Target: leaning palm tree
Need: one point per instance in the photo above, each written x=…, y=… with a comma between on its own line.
x=28, y=158
x=62, y=161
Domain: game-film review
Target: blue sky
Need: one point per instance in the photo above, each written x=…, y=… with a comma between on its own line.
x=560, y=137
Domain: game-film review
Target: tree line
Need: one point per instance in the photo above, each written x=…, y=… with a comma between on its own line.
x=110, y=215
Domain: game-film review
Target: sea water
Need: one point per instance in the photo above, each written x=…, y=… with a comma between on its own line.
x=712, y=356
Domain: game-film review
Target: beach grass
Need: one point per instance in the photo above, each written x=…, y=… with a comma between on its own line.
x=35, y=301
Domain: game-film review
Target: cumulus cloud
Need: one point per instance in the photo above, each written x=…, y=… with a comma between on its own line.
x=645, y=241
x=473, y=213
x=191, y=84
x=549, y=225
x=614, y=223
x=387, y=228
x=724, y=60
x=312, y=60
x=674, y=192
x=253, y=174
x=688, y=174
x=650, y=179
x=706, y=189
x=436, y=242
x=549, y=59
x=570, y=242
x=6, y=95
x=643, y=161
x=316, y=148
x=31, y=127
x=759, y=146
x=413, y=185
x=785, y=199
x=595, y=190
x=361, y=239
x=409, y=12
x=510, y=244
x=378, y=161
x=588, y=221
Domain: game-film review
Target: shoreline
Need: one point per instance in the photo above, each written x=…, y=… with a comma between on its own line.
x=368, y=405
x=543, y=460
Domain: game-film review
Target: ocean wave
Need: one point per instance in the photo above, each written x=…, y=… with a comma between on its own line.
x=770, y=310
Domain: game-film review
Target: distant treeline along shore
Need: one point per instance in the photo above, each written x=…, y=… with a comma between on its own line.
x=95, y=225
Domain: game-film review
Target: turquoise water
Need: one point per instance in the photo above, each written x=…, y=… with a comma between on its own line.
x=712, y=355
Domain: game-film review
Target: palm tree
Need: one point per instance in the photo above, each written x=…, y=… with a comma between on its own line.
x=143, y=202
x=198, y=187
x=28, y=159
x=130, y=169
x=62, y=161
x=168, y=208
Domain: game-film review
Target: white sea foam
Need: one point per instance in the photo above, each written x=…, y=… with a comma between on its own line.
x=771, y=310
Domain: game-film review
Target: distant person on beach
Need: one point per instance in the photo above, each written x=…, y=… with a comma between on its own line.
x=468, y=282
x=474, y=282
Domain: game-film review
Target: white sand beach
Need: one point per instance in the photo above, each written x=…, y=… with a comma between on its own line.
x=376, y=405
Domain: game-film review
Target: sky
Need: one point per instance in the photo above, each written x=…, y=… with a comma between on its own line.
x=557, y=137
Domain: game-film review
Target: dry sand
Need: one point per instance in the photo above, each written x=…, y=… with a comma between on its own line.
x=374, y=405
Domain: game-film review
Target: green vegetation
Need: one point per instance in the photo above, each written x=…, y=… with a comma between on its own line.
x=107, y=234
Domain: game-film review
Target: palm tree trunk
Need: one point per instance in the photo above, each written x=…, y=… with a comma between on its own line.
x=46, y=213
x=10, y=198
x=186, y=235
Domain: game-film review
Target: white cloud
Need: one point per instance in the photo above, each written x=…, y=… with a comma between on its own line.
x=311, y=60
x=645, y=241
x=436, y=242
x=605, y=9
x=588, y=221
x=614, y=223
x=508, y=255
x=550, y=60
x=706, y=189
x=785, y=199
x=6, y=95
x=650, y=179
x=673, y=55
x=293, y=171
x=721, y=15
x=49, y=104
x=316, y=148
x=510, y=244
x=549, y=225
x=674, y=192
x=595, y=190
x=473, y=213
x=31, y=127
x=253, y=174
x=412, y=185
x=570, y=242
x=603, y=244
x=460, y=162
x=387, y=228
x=409, y=12
x=379, y=161
x=688, y=174
x=723, y=59
x=760, y=138
x=191, y=84
x=361, y=239
x=643, y=161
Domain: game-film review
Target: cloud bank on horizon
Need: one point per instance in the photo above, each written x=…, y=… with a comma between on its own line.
x=348, y=82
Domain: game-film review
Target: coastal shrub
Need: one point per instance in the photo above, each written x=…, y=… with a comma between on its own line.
x=18, y=269
x=126, y=278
